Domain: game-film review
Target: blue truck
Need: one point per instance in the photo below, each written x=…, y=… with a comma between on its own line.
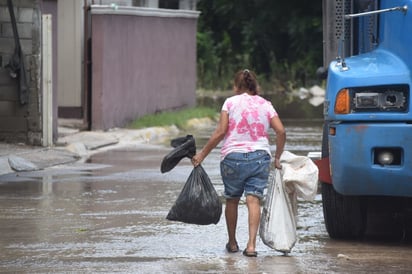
x=366, y=157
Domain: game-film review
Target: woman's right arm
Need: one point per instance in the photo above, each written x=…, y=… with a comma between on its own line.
x=279, y=129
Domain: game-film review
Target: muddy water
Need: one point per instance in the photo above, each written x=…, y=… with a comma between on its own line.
x=108, y=215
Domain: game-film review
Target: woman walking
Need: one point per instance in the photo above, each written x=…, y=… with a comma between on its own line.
x=244, y=124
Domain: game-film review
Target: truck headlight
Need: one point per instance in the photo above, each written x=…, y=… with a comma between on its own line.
x=383, y=101
x=372, y=99
x=366, y=100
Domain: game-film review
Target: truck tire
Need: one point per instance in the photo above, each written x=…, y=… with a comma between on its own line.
x=345, y=216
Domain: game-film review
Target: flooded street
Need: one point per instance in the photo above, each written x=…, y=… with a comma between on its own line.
x=109, y=215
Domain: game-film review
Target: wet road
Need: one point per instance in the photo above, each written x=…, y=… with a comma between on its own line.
x=108, y=215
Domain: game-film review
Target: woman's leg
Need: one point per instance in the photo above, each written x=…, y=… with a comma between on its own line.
x=253, y=205
x=231, y=220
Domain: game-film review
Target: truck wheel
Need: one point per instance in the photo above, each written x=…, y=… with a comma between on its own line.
x=345, y=216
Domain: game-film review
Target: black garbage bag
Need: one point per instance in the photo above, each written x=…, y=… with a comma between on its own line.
x=181, y=140
x=183, y=147
x=198, y=202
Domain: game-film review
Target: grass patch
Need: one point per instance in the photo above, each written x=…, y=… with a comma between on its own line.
x=178, y=118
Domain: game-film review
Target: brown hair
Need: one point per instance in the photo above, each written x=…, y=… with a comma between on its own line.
x=245, y=80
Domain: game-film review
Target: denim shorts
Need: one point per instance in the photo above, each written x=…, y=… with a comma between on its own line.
x=246, y=173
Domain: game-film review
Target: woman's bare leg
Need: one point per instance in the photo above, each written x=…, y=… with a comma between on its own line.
x=231, y=212
x=253, y=205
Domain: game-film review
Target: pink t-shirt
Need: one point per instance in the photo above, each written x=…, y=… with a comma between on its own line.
x=249, y=123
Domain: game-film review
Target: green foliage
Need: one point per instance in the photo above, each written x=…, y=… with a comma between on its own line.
x=177, y=118
x=280, y=40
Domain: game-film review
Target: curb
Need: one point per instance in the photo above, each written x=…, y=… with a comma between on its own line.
x=76, y=146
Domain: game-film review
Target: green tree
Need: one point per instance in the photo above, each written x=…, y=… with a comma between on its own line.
x=280, y=40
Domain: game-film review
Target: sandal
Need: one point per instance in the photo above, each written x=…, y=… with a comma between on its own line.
x=249, y=253
x=232, y=250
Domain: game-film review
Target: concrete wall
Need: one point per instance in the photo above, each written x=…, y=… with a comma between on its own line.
x=21, y=122
x=143, y=61
x=70, y=47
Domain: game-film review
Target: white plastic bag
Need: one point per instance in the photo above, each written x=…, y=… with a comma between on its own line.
x=300, y=175
x=298, y=178
x=278, y=224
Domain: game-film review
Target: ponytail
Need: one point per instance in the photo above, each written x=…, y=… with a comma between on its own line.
x=245, y=80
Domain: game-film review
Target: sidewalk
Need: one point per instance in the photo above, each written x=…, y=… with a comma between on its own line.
x=75, y=145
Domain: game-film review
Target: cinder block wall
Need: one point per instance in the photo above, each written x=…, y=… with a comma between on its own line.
x=20, y=123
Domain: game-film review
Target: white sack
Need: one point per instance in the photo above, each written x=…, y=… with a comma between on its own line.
x=300, y=175
x=297, y=178
x=278, y=224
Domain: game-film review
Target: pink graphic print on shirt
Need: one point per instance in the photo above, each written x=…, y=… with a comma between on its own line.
x=254, y=129
x=249, y=121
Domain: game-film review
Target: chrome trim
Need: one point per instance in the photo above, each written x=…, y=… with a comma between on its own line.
x=403, y=9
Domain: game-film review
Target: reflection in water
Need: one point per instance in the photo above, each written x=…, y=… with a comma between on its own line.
x=109, y=215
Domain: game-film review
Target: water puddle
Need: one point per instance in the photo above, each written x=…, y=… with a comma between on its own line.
x=109, y=215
